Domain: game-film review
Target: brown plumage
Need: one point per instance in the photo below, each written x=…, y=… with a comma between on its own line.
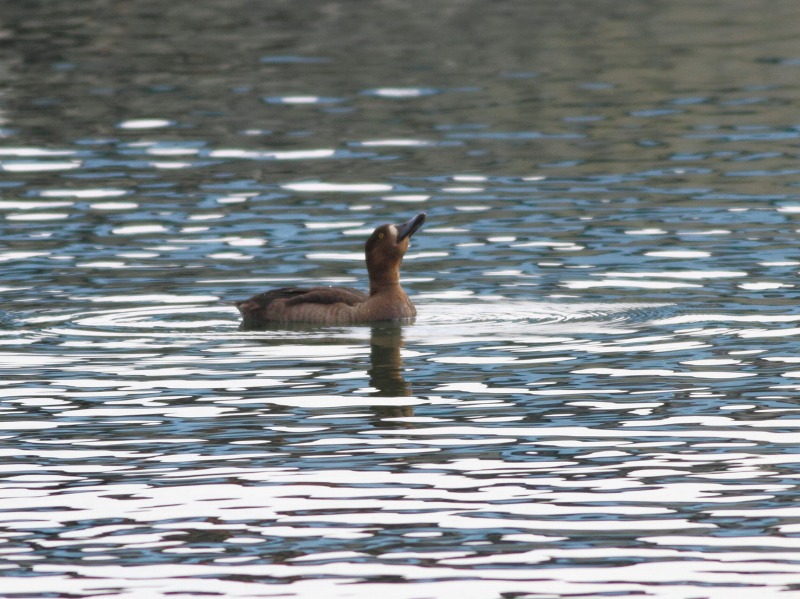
x=386, y=299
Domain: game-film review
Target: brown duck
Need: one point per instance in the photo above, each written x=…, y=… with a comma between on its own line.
x=386, y=300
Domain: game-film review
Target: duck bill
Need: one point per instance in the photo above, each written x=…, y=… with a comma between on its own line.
x=408, y=228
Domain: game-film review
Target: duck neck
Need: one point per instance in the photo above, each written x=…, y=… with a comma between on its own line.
x=383, y=279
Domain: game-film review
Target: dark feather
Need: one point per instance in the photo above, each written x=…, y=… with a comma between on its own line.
x=328, y=295
x=314, y=295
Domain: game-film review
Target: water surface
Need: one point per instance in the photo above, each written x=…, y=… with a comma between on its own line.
x=598, y=396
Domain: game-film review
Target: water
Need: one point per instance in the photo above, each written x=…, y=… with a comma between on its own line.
x=598, y=396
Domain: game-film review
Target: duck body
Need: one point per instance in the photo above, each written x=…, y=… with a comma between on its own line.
x=386, y=299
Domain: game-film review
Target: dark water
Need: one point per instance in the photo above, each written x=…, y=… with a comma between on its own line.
x=599, y=396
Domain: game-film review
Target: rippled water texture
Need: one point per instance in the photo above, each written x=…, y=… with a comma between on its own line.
x=598, y=398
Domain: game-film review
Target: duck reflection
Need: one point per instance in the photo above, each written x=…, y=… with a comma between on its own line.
x=386, y=363
x=386, y=369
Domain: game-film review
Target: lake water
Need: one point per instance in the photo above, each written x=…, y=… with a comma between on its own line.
x=599, y=397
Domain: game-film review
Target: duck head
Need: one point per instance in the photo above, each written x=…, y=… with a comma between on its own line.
x=385, y=249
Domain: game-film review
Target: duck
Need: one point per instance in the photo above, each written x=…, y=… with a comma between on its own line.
x=386, y=300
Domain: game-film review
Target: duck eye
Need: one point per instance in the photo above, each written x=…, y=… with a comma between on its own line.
x=380, y=235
